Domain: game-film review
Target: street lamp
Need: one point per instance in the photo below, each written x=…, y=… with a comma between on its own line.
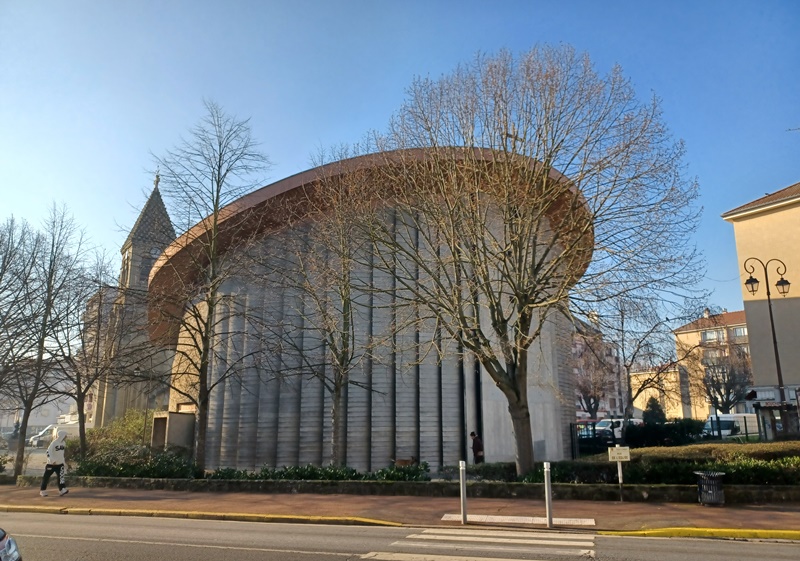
x=783, y=288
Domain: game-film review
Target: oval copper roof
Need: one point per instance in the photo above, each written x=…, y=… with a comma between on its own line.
x=182, y=259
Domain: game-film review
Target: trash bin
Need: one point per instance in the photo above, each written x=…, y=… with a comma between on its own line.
x=709, y=488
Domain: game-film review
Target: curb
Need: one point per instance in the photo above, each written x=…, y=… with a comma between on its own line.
x=232, y=516
x=729, y=533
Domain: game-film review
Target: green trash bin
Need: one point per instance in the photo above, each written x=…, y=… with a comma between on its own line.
x=709, y=488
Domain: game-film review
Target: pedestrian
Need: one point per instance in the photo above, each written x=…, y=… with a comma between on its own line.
x=56, y=464
x=477, y=448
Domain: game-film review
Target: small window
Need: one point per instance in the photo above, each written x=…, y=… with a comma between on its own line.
x=186, y=408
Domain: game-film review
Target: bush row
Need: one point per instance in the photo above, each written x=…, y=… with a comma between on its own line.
x=326, y=473
x=738, y=471
x=133, y=462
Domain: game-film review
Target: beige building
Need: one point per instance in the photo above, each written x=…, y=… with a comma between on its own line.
x=767, y=234
x=708, y=346
x=705, y=349
x=670, y=387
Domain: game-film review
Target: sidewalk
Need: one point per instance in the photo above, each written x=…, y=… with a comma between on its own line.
x=776, y=521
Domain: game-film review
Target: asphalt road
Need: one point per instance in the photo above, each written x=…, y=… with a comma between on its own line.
x=50, y=537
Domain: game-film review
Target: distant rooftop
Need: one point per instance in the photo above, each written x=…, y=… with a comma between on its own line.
x=725, y=319
x=790, y=193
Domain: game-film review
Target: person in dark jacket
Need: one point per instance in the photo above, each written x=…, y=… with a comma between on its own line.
x=477, y=448
x=56, y=464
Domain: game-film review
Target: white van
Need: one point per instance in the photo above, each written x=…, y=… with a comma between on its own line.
x=46, y=435
x=603, y=428
x=731, y=424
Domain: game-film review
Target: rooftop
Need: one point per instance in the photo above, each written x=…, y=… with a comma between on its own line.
x=725, y=319
x=788, y=194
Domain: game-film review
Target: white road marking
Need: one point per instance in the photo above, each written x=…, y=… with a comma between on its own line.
x=480, y=539
x=499, y=548
x=509, y=534
x=520, y=519
x=502, y=541
x=387, y=556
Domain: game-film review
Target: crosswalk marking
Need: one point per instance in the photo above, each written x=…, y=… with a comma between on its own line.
x=387, y=556
x=499, y=540
x=589, y=538
x=494, y=548
x=521, y=519
x=494, y=542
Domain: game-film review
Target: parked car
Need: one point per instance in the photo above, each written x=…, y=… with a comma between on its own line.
x=9, y=550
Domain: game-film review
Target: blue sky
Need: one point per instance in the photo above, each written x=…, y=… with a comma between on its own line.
x=89, y=89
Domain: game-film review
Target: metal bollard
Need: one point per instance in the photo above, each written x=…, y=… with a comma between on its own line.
x=462, y=476
x=548, y=495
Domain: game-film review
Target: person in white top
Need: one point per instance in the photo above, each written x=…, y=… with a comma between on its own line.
x=56, y=464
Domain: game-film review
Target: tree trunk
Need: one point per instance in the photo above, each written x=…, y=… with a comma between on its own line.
x=79, y=400
x=201, y=428
x=19, y=460
x=338, y=445
x=523, y=436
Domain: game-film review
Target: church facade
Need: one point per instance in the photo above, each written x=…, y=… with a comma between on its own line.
x=405, y=403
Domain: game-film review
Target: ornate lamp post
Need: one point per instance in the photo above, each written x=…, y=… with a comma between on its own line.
x=783, y=288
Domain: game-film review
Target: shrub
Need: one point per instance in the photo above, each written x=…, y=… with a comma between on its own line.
x=138, y=462
x=678, y=432
x=574, y=472
x=497, y=471
x=417, y=472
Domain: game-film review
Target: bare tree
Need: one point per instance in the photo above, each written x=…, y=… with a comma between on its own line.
x=596, y=366
x=87, y=345
x=641, y=326
x=213, y=167
x=320, y=262
x=728, y=376
x=542, y=185
x=17, y=242
x=55, y=256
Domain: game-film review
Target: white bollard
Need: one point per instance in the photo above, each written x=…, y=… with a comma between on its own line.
x=548, y=495
x=462, y=476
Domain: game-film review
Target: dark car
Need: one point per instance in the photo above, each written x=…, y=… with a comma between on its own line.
x=8, y=548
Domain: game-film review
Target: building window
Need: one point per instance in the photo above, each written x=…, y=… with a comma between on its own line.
x=712, y=335
x=144, y=270
x=740, y=331
x=126, y=267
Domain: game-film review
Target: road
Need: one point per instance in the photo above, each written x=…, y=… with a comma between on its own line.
x=52, y=537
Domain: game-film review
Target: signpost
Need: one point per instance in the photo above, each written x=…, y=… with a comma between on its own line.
x=619, y=454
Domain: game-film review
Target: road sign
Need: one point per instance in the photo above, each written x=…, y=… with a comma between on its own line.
x=619, y=454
